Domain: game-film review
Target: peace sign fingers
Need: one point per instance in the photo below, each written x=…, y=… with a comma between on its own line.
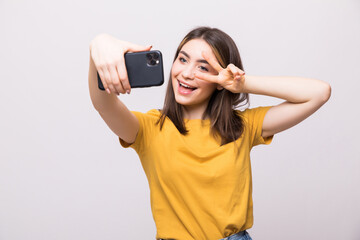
x=235, y=71
x=231, y=78
x=207, y=77
x=212, y=62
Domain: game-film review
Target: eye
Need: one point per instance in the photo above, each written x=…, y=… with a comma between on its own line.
x=182, y=59
x=204, y=68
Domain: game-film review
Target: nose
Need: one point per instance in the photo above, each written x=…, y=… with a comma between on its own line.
x=188, y=72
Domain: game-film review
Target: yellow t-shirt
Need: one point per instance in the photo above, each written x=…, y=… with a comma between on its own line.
x=198, y=189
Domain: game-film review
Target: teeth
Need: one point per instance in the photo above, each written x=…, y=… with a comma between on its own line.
x=184, y=85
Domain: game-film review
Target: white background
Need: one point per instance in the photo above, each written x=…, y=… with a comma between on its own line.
x=63, y=173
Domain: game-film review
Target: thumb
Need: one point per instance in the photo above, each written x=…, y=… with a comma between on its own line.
x=139, y=48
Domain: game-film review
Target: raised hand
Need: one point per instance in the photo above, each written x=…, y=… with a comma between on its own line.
x=107, y=53
x=231, y=78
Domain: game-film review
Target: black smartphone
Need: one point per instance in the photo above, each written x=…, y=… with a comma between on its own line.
x=144, y=69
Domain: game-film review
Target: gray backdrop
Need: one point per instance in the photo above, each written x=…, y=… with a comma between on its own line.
x=63, y=173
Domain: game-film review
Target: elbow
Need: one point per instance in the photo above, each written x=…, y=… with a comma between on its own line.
x=324, y=93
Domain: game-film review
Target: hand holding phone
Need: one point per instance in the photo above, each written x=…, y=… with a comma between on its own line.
x=108, y=53
x=144, y=69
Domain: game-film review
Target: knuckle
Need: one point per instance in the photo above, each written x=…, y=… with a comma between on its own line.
x=124, y=81
x=108, y=65
x=122, y=76
x=116, y=84
x=109, y=80
x=101, y=65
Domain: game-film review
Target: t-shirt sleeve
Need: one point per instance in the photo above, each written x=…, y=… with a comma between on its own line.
x=143, y=135
x=255, y=117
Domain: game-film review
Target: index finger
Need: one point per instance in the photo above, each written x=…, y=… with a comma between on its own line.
x=123, y=76
x=212, y=61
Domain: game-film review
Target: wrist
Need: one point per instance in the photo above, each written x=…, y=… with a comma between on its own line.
x=245, y=88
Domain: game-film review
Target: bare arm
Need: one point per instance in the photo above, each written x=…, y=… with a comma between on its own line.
x=114, y=112
x=303, y=97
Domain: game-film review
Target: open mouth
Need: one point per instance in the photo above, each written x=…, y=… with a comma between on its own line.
x=185, y=88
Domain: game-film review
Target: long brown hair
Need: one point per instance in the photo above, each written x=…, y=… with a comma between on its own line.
x=221, y=107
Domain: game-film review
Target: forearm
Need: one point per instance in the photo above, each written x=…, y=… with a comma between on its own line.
x=292, y=89
x=100, y=99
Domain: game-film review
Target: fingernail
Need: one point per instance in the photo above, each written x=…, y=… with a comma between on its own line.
x=128, y=91
x=108, y=91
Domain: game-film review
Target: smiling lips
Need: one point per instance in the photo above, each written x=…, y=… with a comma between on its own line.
x=186, y=85
x=184, y=88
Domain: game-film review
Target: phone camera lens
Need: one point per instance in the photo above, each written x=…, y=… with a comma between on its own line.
x=156, y=55
x=149, y=56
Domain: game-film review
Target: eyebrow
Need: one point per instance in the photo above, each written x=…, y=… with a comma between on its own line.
x=199, y=60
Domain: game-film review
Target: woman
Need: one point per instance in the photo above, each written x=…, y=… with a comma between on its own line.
x=196, y=150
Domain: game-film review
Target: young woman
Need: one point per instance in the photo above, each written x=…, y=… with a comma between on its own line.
x=196, y=150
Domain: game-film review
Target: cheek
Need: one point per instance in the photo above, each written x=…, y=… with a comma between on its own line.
x=175, y=69
x=207, y=85
x=173, y=79
x=172, y=73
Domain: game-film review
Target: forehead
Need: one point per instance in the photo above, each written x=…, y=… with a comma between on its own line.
x=194, y=48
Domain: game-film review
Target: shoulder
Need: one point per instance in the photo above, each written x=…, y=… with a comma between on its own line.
x=148, y=117
x=253, y=120
x=251, y=114
x=154, y=113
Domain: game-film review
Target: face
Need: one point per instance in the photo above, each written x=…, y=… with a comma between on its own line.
x=188, y=62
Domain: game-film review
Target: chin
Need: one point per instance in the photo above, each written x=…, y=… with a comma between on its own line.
x=181, y=101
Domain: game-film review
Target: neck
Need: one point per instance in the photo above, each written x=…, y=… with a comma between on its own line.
x=194, y=112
